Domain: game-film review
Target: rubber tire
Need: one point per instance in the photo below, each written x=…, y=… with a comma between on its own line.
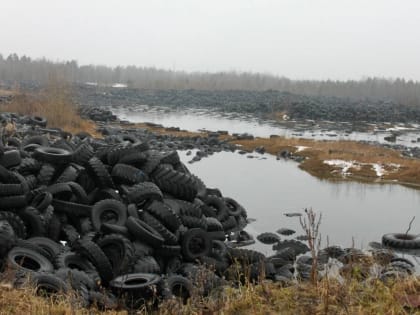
x=44, y=264
x=401, y=241
x=143, y=232
x=117, y=208
x=52, y=155
x=198, y=239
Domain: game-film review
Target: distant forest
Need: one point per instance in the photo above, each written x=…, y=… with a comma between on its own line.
x=24, y=69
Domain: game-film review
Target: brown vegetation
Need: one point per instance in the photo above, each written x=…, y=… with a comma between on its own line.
x=397, y=168
x=327, y=296
x=54, y=104
x=319, y=151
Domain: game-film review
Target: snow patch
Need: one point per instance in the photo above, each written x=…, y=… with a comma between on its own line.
x=300, y=148
x=344, y=165
x=378, y=168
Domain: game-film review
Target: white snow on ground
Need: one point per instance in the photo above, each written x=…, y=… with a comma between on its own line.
x=91, y=83
x=300, y=148
x=378, y=169
x=344, y=165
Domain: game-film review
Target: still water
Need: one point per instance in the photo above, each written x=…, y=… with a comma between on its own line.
x=352, y=213
x=199, y=119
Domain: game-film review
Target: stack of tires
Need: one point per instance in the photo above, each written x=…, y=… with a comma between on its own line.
x=88, y=215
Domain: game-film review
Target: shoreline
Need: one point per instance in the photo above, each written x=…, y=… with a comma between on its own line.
x=368, y=163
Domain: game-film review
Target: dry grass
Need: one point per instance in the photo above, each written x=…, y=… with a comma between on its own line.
x=319, y=151
x=6, y=92
x=327, y=296
x=55, y=105
x=24, y=301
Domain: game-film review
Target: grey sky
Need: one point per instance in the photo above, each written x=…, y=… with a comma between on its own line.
x=314, y=39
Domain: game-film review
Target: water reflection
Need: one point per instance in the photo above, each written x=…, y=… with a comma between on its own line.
x=196, y=119
x=352, y=212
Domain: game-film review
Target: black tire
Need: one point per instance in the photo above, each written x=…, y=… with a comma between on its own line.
x=98, y=258
x=79, y=193
x=180, y=287
x=10, y=158
x=39, y=121
x=54, y=227
x=193, y=222
x=135, y=281
x=16, y=223
x=42, y=200
x=72, y=208
x=75, y=261
x=46, y=174
x=119, y=251
x=48, y=245
x=108, y=211
x=213, y=224
x=13, y=202
x=28, y=260
x=164, y=214
x=127, y=174
x=69, y=174
x=76, y=278
x=178, y=184
x=104, y=193
x=60, y=191
x=168, y=251
x=229, y=224
x=401, y=241
x=195, y=244
x=143, y=192
x=234, y=208
x=100, y=173
x=245, y=256
x=52, y=155
x=34, y=222
x=142, y=231
x=117, y=152
x=47, y=284
x=268, y=238
x=222, y=212
x=136, y=159
x=82, y=154
x=11, y=190
x=39, y=140
x=132, y=210
x=146, y=264
x=107, y=228
x=169, y=237
x=28, y=166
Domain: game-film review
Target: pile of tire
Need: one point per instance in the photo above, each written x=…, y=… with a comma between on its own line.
x=97, y=113
x=113, y=220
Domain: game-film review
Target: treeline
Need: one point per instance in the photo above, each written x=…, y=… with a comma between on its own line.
x=20, y=69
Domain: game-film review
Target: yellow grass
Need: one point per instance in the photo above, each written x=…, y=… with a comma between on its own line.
x=327, y=296
x=55, y=105
x=317, y=152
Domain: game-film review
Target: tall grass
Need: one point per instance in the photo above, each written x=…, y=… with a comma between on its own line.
x=55, y=104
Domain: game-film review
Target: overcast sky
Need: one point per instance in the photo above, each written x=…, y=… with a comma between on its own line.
x=303, y=39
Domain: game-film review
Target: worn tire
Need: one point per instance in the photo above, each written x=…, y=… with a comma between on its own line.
x=401, y=241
